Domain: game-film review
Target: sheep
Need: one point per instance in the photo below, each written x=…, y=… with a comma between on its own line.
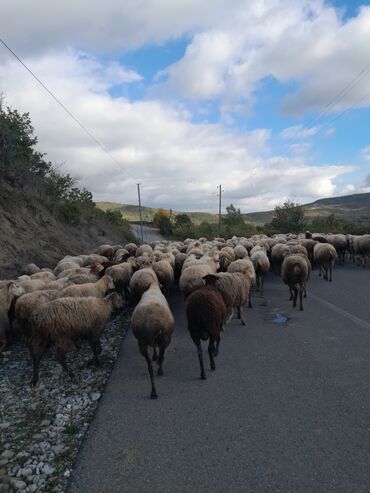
x=205, y=312
x=339, y=242
x=179, y=262
x=30, y=269
x=309, y=245
x=361, y=247
x=121, y=255
x=105, y=250
x=299, y=249
x=7, y=294
x=131, y=248
x=165, y=275
x=246, y=267
x=44, y=276
x=261, y=265
x=234, y=289
x=143, y=249
x=192, y=276
x=325, y=255
x=278, y=253
x=97, y=289
x=152, y=324
x=294, y=272
x=121, y=275
x=226, y=255
x=65, y=320
x=240, y=252
x=33, y=285
x=25, y=306
x=140, y=282
x=64, y=265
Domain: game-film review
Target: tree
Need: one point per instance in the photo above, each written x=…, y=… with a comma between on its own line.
x=159, y=214
x=233, y=221
x=288, y=217
x=182, y=220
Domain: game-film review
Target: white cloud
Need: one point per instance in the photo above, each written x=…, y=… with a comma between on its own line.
x=298, y=132
x=179, y=163
x=330, y=132
x=365, y=153
x=290, y=40
x=103, y=26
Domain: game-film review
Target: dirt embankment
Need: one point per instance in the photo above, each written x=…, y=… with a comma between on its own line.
x=31, y=233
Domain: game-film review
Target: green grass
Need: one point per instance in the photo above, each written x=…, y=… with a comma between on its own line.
x=131, y=213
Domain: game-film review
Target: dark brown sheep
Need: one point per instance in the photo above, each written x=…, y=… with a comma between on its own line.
x=205, y=312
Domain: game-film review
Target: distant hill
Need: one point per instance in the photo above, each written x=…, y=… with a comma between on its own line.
x=131, y=213
x=355, y=208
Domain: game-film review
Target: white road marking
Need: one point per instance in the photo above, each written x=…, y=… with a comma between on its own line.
x=342, y=312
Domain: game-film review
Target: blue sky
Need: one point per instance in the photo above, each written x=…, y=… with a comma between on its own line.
x=188, y=94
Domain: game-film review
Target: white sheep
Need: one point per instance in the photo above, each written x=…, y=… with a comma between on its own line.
x=152, y=324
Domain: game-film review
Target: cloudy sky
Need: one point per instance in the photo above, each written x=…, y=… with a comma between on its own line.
x=270, y=98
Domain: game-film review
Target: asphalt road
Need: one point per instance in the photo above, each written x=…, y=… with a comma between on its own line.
x=149, y=234
x=287, y=409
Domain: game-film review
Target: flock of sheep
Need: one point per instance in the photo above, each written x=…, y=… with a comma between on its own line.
x=74, y=301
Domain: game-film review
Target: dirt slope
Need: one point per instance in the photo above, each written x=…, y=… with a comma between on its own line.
x=30, y=233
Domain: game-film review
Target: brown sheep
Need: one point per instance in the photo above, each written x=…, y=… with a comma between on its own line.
x=294, y=273
x=97, y=289
x=8, y=294
x=206, y=312
x=234, y=289
x=152, y=324
x=140, y=282
x=25, y=306
x=66, y=320
x=165, y=275
x=325, y=255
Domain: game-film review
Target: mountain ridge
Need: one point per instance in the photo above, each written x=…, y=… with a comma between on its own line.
x=353, y=207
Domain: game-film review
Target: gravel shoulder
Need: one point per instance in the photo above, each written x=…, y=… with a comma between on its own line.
x=41, y=429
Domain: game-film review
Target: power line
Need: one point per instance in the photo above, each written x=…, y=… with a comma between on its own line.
x=76, y=120
x=341, y=94
x=348, y=109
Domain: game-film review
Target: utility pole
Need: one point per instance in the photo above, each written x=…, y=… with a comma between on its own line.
x=141, y=218
x=219, y=209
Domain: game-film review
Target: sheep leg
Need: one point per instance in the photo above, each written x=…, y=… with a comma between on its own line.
x=295, y=297
x=144, y=352
x=160, y=360
x=217, y=345
x=200, y=356
x=211, y=352
x=330, y=273
x=262, y=285
x=155, y=355
x=291, y=294
x=61, y=357
x=250, y=300
x=300, y=298
x=241, y=315
x=96, y=349
x=36, y=354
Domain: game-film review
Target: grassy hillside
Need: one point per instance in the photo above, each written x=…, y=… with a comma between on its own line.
x=131, y=213
x=355, y=208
